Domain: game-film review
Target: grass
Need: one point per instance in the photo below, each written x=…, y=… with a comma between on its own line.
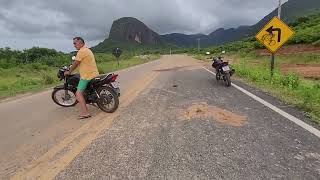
x=20, y=80
x=301, y=58
x=109, y=66
x=289, y=87
x=35, y=76
x=200, y=56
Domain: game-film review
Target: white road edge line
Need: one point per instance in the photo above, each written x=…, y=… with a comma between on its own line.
x=274, y=108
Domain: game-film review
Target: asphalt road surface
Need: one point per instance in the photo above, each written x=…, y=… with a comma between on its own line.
x=175, y=121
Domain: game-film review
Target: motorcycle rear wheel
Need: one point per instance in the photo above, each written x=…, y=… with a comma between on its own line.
x=227, y=79
x=108, y=101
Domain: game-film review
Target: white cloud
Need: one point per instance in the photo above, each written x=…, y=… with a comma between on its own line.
x=27, y=23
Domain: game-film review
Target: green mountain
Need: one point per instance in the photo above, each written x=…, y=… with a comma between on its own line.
x=307, y=31
x=130, y=34
x=290, y=11
x=184, y=40
x=108, y=45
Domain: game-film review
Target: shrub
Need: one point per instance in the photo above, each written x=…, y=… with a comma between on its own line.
x=4, y=87
x=47, y=79
x=101, y=70
x=291, y=80
x=27, y=82
x=317, y=43
x=317, y=86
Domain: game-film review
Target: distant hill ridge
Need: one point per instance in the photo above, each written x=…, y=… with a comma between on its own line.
x=290, y=11
x=129, y=31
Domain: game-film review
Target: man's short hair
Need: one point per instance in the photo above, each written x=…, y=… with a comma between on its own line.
x=79, y=39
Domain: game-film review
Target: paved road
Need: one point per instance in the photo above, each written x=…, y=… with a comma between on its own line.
x=32, y=125
x=177, y=122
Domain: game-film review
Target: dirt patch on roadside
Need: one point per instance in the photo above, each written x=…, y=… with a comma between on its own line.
x=306, y=70
x=203, y=110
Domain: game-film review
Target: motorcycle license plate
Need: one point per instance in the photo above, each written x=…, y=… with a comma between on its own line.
x=226, y=68
x=115, y=84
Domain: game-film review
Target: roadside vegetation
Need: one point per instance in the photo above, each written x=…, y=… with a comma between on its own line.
x=307, y=31
x=36, y=68
x=290, y=85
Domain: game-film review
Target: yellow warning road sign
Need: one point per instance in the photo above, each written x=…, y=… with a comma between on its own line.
x=274, y=34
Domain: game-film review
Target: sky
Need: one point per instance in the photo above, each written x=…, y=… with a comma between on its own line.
x=53, y=23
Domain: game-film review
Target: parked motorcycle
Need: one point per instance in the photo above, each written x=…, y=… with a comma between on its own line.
x=223, y=70
x=102, y=91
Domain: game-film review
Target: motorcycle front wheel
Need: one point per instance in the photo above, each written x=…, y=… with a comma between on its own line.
x=64, y=98
x=108, y=101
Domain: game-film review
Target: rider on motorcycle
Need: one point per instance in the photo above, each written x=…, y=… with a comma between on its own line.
x=88, y=70
x=217, y=62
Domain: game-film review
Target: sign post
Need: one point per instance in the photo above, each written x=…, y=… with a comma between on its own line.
x=273, y=35
x=270, y=40
x=117, y=52
x=272, y=64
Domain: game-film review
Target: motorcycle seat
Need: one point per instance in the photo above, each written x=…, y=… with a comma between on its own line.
x=101, y=78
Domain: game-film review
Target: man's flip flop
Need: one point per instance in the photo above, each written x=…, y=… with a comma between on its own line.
x=84, y=117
